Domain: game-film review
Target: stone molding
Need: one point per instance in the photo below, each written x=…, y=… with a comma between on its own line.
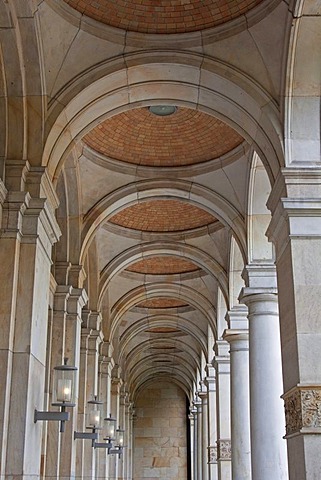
x=3, y=192
x=212, y=454
x=224, y=450
x=303, y=410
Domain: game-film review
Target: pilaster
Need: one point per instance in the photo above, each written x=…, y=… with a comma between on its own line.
x=29, y=229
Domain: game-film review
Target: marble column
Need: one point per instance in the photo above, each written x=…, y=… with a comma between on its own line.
x=222, y=366
x=199, y=439
x=210, y=382
x=191, y=445
x=296, y=233
x=204, y=399
x=240, y=403
x=29, y=230
x=266, y=386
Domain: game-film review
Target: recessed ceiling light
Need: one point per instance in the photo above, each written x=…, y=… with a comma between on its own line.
x=162, y=110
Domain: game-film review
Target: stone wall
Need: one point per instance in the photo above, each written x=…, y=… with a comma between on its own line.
x=160, y=447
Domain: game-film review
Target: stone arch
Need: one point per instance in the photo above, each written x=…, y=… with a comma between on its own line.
x=20, y=43
x=136, y=363
x=258, y=216
x=181, y=292
x=142, y=79
x=302, y=87
x=150, y=379
x=181, y=189
x=150, y=249
x=236, y=266
x=173, y=321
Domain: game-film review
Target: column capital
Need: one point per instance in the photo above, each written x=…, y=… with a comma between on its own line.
x=238, y=339
x=302, y=410
x=259, y=275
x=224, y=451
x=78, y=298
x=236, y=318
x=294, y=201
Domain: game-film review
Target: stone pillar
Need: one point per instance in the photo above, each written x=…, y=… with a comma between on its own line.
x=199, y=439
x=222, y=366
x=296, y=233
x=191, y=445
x=204, y=400
x=210, y=383
x=115, y=401
x=91, y=338
x=195, y=452
x=28, y=231
x=240, y=403
x=78, y=298
x=267, y=414
x=56, y=348
x=106, y=365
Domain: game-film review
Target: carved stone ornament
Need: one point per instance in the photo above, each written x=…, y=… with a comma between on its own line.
x=224, y=450
x=302, y=409
x=212, y=454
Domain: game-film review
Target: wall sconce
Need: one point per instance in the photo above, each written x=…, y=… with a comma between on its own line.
x=93, y=418
x=108, y=433
x=63, y=395
x=119, y=443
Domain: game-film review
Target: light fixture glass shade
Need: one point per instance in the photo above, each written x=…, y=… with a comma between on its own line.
x=109, y=428
x=64, y=381
x=119, y=442
x=94, y=414
x=162, y=110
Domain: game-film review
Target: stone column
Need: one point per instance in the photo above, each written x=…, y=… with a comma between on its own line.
x=296, y=233
x=78, y=298
x=222, y=366
x=28, y=231
x=210, y=383
x=106, y=365
x=195, y=452
x=115, y=400
x=240, y=403
x=191, y=445
x=56, y=348
x=91, y=338
x=267, y=414
x=199, y=439
x=204, y=399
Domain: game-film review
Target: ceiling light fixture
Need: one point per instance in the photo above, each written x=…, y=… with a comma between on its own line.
x=162, y=110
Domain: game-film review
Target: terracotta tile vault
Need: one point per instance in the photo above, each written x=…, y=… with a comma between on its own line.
x=162, y=216
x=163, y=16
x=163, y=265
x=163, y=330
x=161, y=303
x=139, y=137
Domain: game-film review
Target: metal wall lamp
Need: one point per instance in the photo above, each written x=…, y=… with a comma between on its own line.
x=108, y=434
x=93, y=420
x=63, y=395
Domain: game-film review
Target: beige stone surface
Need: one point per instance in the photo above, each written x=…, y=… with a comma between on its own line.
x=160, y=451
